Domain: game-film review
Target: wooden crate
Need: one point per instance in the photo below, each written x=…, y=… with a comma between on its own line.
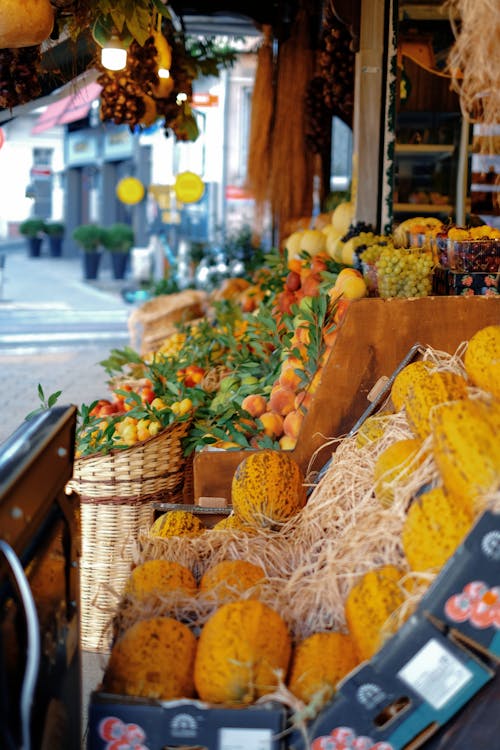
x=375, y=336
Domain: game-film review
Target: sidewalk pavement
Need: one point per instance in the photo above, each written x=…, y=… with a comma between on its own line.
x=32, y=286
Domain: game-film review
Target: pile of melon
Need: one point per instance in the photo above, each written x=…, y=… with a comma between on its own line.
x=303, y=588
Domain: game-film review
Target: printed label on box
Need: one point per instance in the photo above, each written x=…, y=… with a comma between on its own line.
x=435, y=674
x=245, y=739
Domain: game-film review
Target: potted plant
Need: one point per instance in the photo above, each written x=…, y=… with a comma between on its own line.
x=33, y=229
x=119, y=239
x=55, y=232
x=89, y=238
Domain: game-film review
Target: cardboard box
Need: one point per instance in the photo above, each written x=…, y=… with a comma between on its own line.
x=157, y=725
x=413, y=686
x=464, y=599
x=445, y=281
x=375, y=336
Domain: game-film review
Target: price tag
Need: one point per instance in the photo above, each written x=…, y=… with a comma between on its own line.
x=435, y=674
x=245, y=739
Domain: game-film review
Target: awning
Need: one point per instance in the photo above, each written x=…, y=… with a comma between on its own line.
x=69, y=108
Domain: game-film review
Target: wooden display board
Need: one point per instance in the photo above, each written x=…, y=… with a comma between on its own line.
x=374, y=337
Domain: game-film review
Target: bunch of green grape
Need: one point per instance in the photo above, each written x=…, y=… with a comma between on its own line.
x=403, y=272
x=373, y=250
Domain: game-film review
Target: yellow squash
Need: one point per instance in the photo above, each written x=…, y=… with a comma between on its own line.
x=466, y=448
x=318, y=663
x=369, y=605
x=267, y=488
x=428, y=391
x=154, y=659
x=241, y=649
x=482, y=359
x=435, y=525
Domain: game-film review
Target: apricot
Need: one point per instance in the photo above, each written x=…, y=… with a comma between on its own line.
x=272, y=422
x=290, y=379
x=292, y=423
x=342, y=277
x=282, y=400
x=287, y=443
x=350, y=284
x=254, y=404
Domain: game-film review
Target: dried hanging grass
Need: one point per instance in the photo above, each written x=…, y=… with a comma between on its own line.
x=474, y=59
x=292, y=169
x=259, y=147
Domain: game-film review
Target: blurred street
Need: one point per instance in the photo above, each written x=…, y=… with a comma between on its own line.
x=55, y=328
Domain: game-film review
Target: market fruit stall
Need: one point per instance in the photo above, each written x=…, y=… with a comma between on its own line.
x=350, y=562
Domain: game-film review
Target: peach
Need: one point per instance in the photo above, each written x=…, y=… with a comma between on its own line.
x=254, y=404
x=290, y=375
x=287, y=443
x=301, y=335
x=285, y=300
x=310, y=285
x=292, y=423
x=319, y=262
x=281, y=400
x=272, y=422
x=303, y=400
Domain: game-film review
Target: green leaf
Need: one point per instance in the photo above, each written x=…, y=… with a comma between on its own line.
x=53, y=398
x=162, y=8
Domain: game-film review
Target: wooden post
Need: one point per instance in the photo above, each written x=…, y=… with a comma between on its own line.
x=370, y=109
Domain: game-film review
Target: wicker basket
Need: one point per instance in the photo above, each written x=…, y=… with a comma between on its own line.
x=150, y=470
x=116, y=493
x=109, y=531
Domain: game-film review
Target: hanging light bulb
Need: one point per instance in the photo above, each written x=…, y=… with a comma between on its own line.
x=113, y=54
x=163, y=73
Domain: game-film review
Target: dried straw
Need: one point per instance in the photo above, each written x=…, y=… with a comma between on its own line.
x=314, y=559
x=474, y=59
x=292, y=169
x=259, y=148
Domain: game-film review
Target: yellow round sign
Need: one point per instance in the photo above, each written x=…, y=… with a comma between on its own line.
x=189, y=187
x=130, y=190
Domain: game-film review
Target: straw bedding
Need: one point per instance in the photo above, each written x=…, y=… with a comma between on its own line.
x=474, y=59
x=314, y=559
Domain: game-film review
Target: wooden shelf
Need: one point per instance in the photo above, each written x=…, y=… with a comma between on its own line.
x=424, y=208
x=423, y=149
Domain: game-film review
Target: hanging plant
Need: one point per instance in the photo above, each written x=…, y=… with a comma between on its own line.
x=136, y=96
x=19, y=76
